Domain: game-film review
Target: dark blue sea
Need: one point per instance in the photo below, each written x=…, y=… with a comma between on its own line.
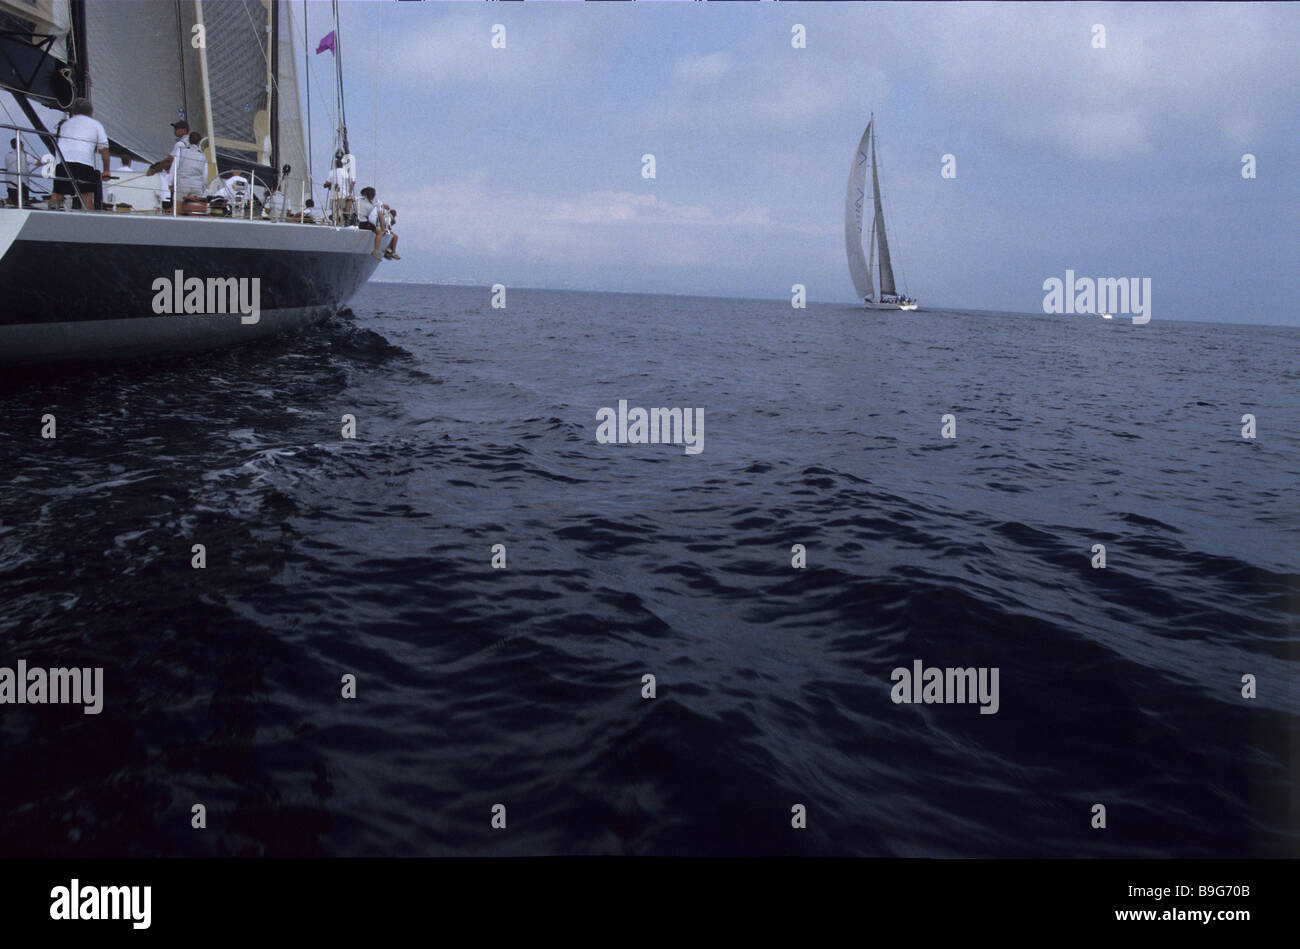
x=475, y=686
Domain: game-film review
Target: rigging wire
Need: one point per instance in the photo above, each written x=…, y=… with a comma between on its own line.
x=374, y=147
x=27, y=189
x=275, y=80
x=311, y=70
x=306, y=34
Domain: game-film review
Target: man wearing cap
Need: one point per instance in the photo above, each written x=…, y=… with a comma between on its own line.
x=190, y=169
x=181, y=129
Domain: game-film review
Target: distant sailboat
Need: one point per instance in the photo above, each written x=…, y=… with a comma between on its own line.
x=859, y=264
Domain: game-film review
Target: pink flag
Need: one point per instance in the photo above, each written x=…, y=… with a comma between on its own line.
x=327, y=43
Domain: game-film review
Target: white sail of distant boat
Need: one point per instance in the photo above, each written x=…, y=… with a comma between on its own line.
x=854, y=204
x=859, y=265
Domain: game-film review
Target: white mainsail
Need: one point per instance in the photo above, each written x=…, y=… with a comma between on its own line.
x=133, y=55
x=854, y=201
x=224, y=89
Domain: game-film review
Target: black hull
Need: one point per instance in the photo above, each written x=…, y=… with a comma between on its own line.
x=82, y=286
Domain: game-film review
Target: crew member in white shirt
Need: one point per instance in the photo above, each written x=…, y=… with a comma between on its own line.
x=166, y=167
x=80, y=138
x=375, y=216
x=12, y=173
x=391, y=252
x=340, y=185
x=234, y=190
x=190, y=167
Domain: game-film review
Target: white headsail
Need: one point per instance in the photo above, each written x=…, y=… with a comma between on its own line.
x=293, y=143
x=854, y=202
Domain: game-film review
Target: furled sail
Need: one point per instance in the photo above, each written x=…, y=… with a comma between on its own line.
x=886, y=271
x=136, y=78
x=854, y=201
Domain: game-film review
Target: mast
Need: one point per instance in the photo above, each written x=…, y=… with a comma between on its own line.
x=180, y=59
x=338, y=81
x=207, y=95
x=77, y=47
x=306, y=70
x=275, y=89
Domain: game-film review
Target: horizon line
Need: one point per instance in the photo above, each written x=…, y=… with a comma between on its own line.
x=836, y=303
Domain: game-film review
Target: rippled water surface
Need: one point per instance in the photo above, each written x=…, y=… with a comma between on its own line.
x=523, y=686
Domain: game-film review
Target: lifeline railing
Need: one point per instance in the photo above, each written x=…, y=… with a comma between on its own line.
x=21, y=174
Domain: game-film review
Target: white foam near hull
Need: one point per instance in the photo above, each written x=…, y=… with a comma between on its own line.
x=875, y=305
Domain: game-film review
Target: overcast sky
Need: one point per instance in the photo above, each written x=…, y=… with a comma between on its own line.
x=523, y=165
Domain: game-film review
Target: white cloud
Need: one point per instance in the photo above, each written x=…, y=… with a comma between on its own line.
x=700, y=68
x=1027, y=71
x=455, y=48
x=764, y=86
x=472, y=215
x=1032, y=71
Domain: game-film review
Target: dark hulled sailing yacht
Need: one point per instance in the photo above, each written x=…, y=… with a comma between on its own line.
x=82, y=284
x=859, y=264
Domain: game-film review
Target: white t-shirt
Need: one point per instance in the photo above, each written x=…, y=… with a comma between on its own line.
x=11, y=168
x=340, y=182
x=234, y=184
x=364, y=209
x=80, y=137
x=177, y=147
